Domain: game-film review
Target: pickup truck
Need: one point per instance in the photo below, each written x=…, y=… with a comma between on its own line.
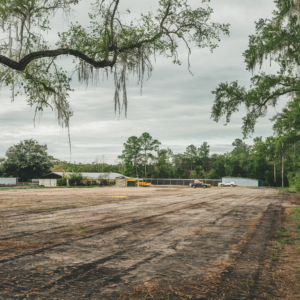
x=199, y=184
x=232, y=183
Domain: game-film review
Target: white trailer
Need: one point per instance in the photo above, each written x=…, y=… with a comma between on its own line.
x=8, y=181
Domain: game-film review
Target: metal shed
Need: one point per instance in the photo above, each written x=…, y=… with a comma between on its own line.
x=8, y=181
x=243, y=181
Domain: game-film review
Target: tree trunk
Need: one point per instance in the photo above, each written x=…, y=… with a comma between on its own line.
x=274, y=171
x=136, y=169
x=282, y=168
x=145, y=164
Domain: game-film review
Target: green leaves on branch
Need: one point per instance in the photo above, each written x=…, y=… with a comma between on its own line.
x=110, y=43
x=276, y=40
x=266, y=91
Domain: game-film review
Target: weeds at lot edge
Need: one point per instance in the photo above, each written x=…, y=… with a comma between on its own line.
x=290, y=235
x=285, y=254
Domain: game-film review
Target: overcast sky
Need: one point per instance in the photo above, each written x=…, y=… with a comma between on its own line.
x=175, y=106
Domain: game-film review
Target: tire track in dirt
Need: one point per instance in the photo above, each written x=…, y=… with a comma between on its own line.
x=103, y=230
x=245, y=273
x=80, y=272
x=124, y=216
x=240, y=280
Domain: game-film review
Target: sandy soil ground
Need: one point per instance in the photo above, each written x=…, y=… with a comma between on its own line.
x=106, y=243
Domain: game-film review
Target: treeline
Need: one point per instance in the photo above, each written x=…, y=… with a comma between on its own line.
x=273, y=160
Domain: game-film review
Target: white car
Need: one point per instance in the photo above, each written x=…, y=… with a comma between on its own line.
x=232, y=183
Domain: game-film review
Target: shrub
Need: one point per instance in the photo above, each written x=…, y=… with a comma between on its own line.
x=103, y=182
x=291, y=178
x=297, y=182
x=75, y=179
x=62, y=181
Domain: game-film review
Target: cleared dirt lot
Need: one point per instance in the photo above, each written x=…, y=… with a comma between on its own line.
x=105, y=242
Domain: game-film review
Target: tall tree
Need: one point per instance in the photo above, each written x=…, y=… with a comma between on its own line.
x=148, y=144
x=191, y=154
x=132, y=151
x=287, y=129
x=112, y=43
x=2, y=160
x=204, y=155
x=27, y=160
x=281, y=147
x=163, y=163
x=122, y=161
x=277, y=40
x=271, y=144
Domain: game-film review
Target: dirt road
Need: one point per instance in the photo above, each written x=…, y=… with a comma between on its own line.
x=102, y=243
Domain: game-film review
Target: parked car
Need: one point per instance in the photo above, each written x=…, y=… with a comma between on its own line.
x=232, y=183
x=199, y=184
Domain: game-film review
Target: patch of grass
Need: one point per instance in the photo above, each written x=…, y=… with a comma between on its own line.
x=276, y=254
x=81, y=228
x=278, y=243
x=296, y=214
x=290, y=240
x=291, y=236
x=283, y=231
x=292, y=191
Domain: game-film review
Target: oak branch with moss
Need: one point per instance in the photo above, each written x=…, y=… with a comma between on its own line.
x=113, y=43
x=276, y=40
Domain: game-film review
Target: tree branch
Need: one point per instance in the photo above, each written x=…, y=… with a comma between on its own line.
x=21, y=65
x=166, y=15
x=112, y=23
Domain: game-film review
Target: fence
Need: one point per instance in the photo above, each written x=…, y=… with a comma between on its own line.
x=17, y=184
x=164, y=181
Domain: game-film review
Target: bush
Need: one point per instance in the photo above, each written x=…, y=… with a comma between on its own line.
x=297, y=182
x=75, y=179
x=62, y=181
x=291, y=178
x=91, y=182
x=103, y=182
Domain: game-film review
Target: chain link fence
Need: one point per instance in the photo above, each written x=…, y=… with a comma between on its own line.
x=164, y=181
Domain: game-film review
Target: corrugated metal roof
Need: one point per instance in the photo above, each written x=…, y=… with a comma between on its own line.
x=241, y=177
x=91, y=175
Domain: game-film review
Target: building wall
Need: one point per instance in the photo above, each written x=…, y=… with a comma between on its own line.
x=48, y=182
x=8, y=181
x=241, y=181
x=120, y=182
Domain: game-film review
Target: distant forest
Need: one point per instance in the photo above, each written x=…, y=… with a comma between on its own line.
x=271, y=160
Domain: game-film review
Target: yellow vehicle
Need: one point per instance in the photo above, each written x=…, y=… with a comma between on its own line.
x=140, y=182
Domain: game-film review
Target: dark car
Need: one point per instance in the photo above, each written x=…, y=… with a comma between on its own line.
x=200, y=185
